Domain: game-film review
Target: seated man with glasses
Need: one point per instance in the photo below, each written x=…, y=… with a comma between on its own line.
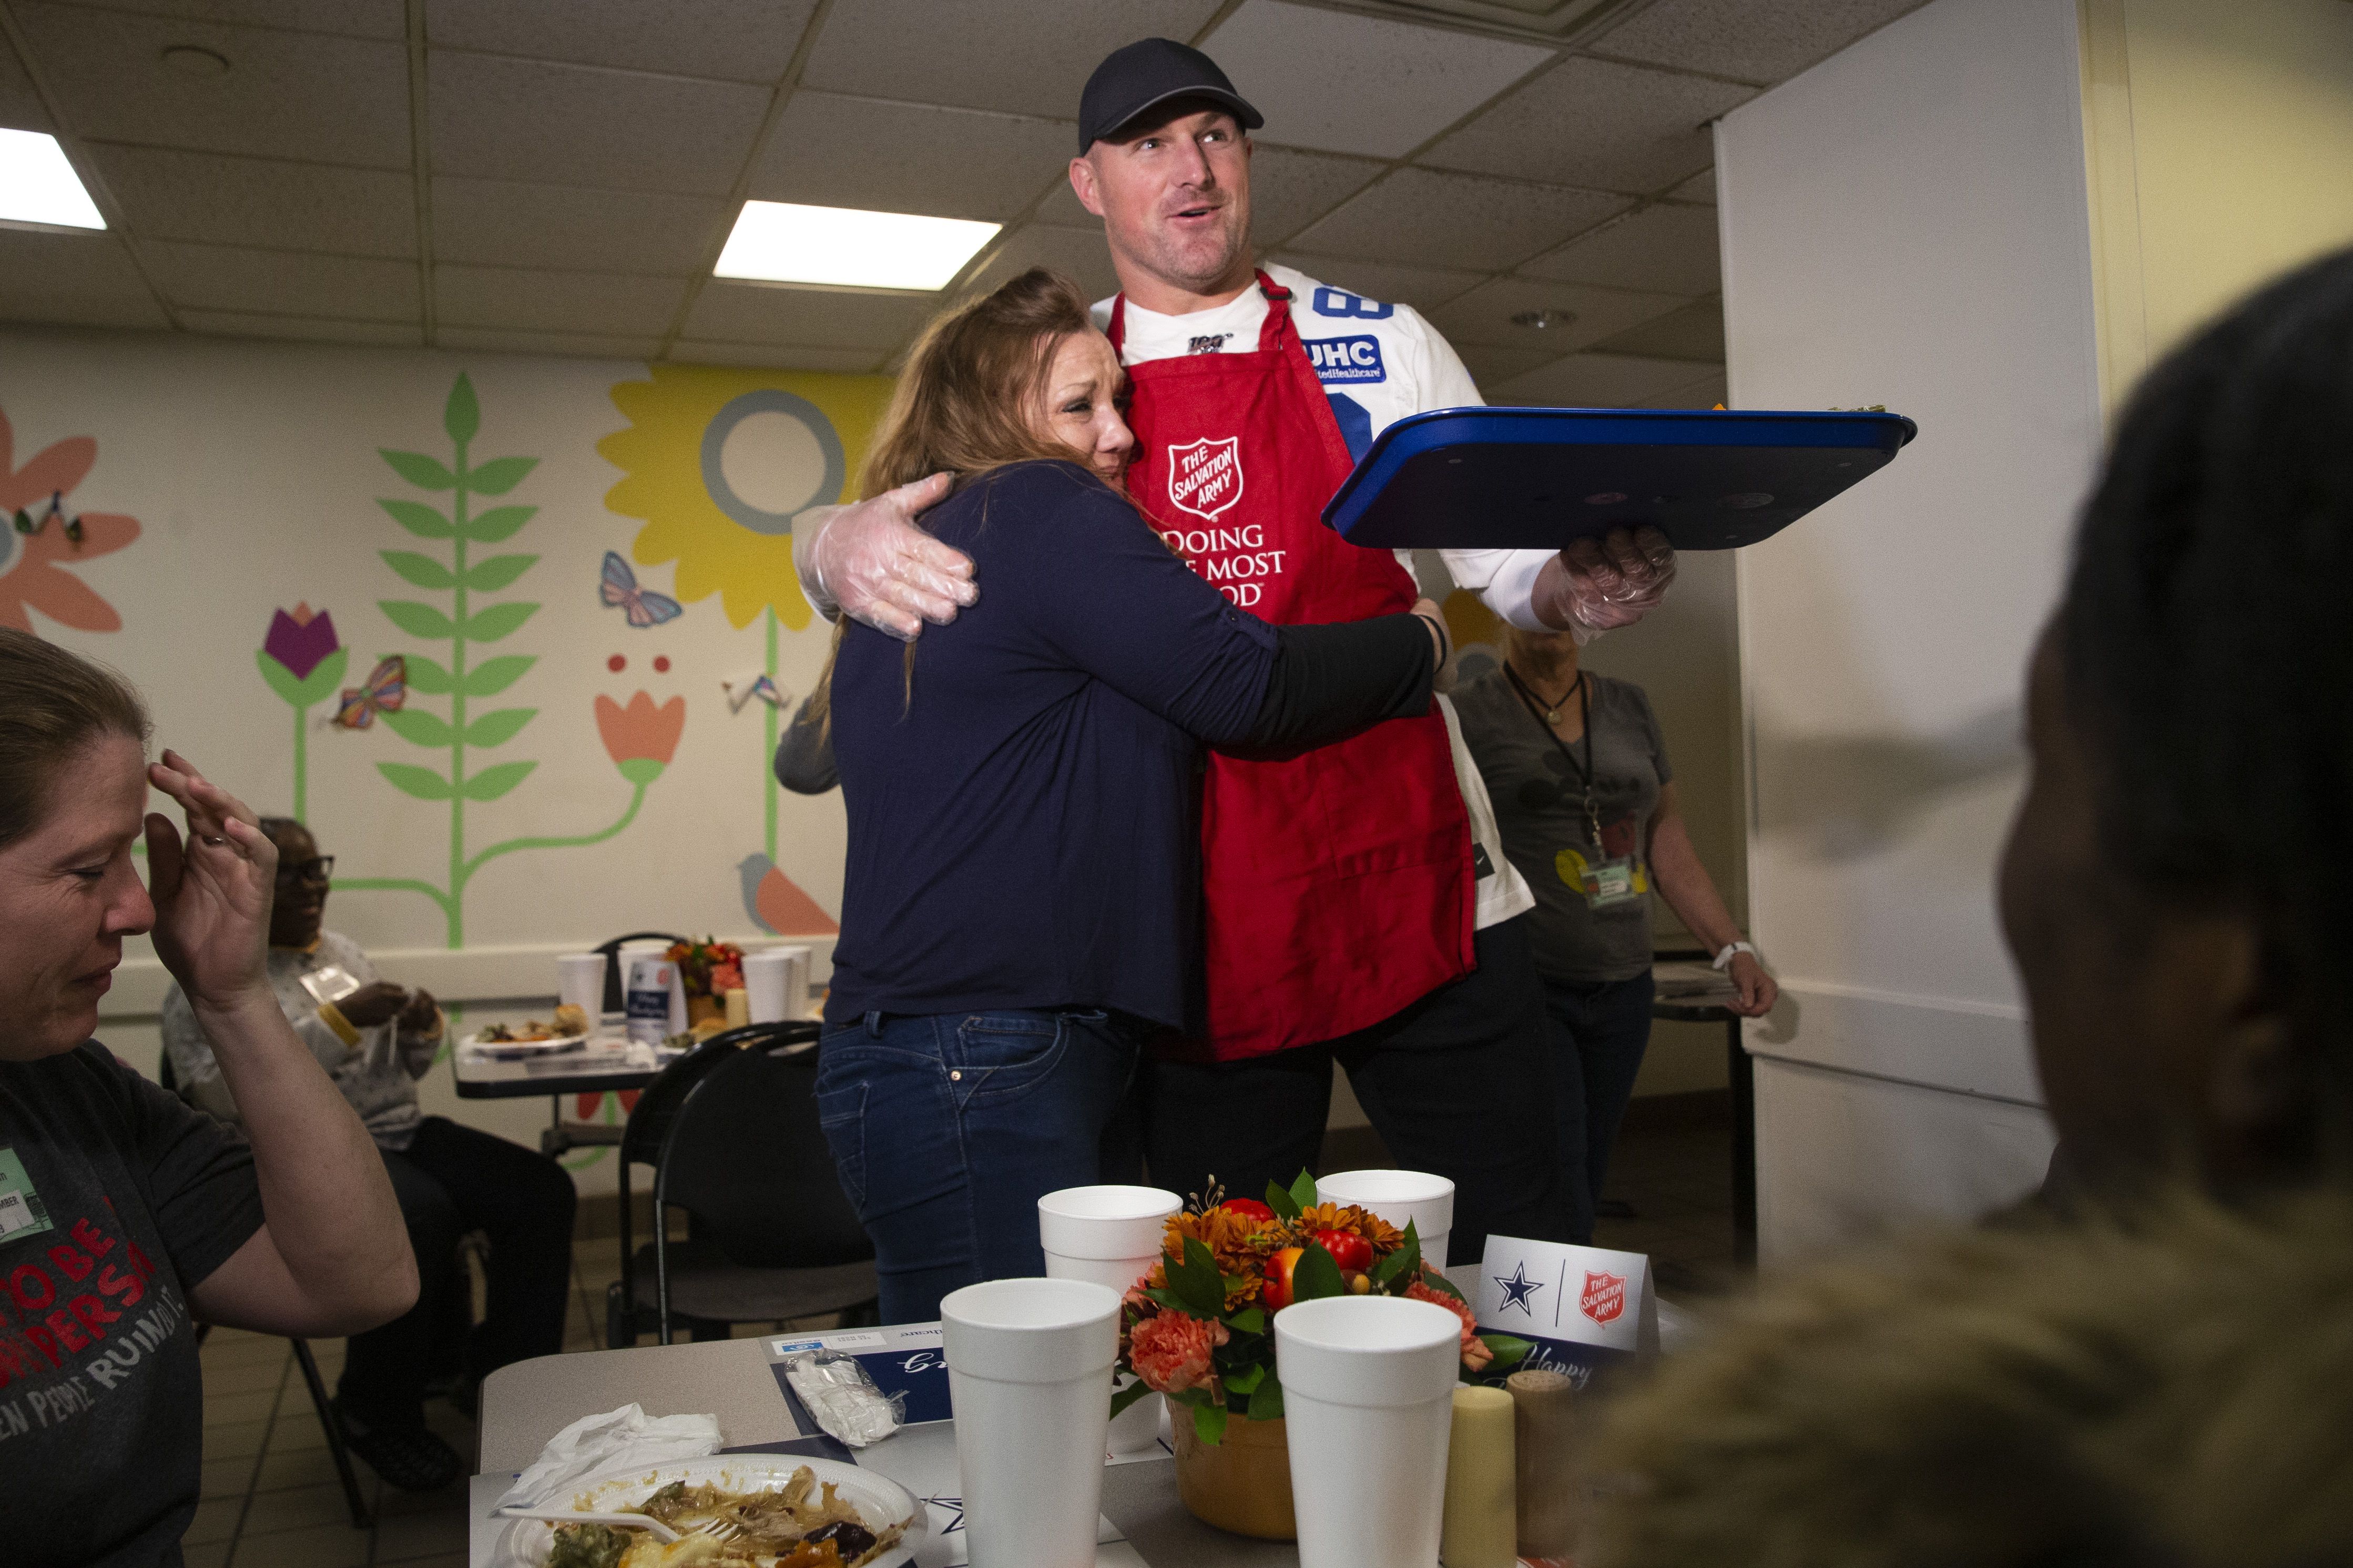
x=377, y=1039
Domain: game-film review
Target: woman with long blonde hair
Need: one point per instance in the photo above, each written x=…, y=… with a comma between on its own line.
x=1020, y=907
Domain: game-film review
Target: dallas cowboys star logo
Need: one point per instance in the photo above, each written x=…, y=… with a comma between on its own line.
x=1518, y=1288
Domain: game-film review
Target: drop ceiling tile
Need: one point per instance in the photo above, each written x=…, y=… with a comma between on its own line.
x=1346, y=83
x=848, y=362
x=1430, y=219
x=1757, y=40
x=303, y=329
x=574, y=344
x=354, y=18
x=1291, y=190
x=1026, y=59
x=582, y=125
x=1423, y=287
x=604, y=303
x=85, y=280
x=1598, y=381
x=835, y=152
x=1492, y=366
x=1078, y=252
x=1694, y=332
x=20, y=106
x=1699, y=187
x=1709, y=392
x=508, y=224
x=263, y=202
x=1597, y=124
x=730, y=40
x=1665, y=247
x=806, y=318
x=1484, y=314
x=285, y=283
x=285, y=95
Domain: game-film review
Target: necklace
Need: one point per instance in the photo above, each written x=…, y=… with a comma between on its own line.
x=1552, y=710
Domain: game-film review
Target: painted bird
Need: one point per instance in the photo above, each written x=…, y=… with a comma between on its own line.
x=776, y=903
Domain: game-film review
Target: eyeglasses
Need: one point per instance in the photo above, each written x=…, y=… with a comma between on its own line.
x=319, y=869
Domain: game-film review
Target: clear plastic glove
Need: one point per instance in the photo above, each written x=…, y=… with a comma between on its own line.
x=872, y=561
x=1607, y=582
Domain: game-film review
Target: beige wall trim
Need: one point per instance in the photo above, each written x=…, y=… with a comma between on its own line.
x=2112, y=180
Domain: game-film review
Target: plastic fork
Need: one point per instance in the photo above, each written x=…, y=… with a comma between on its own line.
x=653, y=1527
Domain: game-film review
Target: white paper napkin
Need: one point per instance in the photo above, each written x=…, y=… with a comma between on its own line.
x=595, y=1444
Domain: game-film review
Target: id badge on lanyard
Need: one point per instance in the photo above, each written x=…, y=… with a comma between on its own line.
x=1606, y=884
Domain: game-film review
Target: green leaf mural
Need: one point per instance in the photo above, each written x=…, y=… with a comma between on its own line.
x=460, y=626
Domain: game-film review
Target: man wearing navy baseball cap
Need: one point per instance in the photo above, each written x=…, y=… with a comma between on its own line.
x=1359, y=906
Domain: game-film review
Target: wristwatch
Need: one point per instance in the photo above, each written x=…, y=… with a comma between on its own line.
x=1724, y=959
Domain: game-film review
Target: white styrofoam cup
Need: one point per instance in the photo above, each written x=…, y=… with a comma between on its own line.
x=1109, y=1234
x=1368, y=1401
x=1029, y=1366
x=775, y=984
x=1399, y=1196
x=580, y=982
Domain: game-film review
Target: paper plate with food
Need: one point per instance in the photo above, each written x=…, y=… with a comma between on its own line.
x=732, y=1510
x=568, y=1029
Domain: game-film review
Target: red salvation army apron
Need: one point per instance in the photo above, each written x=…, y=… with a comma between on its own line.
x=1336, y=887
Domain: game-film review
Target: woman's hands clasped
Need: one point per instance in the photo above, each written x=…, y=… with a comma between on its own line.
x=211, y=889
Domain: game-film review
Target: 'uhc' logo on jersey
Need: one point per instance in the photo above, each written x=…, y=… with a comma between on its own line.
x=1345, y=359
x=1338, y=302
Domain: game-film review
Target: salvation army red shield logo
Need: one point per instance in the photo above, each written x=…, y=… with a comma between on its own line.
x=1205, y=477
x=1604, y=1297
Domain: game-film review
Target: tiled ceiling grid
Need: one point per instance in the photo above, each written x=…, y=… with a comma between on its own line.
x=558, y=175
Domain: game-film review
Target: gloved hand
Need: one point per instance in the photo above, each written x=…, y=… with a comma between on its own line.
x=872, y=561
x=1607, y=582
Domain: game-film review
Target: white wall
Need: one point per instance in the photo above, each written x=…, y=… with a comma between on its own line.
x=1904, y=225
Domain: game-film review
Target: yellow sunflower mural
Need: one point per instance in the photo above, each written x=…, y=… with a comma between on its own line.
x=718, y=460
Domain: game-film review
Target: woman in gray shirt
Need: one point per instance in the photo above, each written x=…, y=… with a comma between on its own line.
x=1585, y=801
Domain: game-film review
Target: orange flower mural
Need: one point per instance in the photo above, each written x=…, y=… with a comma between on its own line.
x=641, y=738
x=35, y=578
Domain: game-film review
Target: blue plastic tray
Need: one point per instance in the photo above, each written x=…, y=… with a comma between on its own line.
x=1472, y=478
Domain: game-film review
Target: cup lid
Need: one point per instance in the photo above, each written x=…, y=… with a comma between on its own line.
x=1106, y=1222
x=1373, y=1350
x=1030, y=1331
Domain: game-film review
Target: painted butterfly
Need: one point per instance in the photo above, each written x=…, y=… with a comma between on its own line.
x=387, y=689
x=743, y=688
x=645, y=607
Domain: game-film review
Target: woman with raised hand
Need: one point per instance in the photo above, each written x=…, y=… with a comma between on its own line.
x=1021, y=905
x=124, y=1215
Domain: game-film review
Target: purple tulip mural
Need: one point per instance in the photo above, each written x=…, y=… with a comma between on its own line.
x=303, y=662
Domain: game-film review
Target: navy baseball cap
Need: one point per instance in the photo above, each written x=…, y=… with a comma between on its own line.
x=1149, y=72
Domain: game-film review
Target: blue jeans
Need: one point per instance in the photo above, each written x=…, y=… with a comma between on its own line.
x=948, y=1129
x=1599, y=1033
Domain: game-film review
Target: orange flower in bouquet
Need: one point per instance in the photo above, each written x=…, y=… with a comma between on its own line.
x=1199, y=1328
x=709, y=967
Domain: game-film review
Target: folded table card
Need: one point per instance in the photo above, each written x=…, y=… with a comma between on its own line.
x=1579, y=1307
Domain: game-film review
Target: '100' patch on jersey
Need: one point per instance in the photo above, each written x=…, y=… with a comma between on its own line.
x=1355, y=359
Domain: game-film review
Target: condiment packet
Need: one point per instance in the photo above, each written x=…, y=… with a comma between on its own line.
x=843, y=1396
x=595, y=1444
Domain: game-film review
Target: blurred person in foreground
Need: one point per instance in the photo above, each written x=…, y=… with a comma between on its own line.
x=375, y=1042
x=2158, y=1372
x=126, y=1216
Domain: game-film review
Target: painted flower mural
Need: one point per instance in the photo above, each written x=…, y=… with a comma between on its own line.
x=717, y=462
x=33, y=574
x=641, y=738
x=304, y=661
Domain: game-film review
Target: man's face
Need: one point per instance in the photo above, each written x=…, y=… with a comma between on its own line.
x=2145, y=1013
x=1174, y=197
x=299, y=905
x=69, y=895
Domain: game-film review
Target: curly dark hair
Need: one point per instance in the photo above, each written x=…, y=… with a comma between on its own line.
x=2207, y=640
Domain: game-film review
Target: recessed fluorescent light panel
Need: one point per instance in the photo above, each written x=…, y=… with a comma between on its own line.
x=781, y=242
x=37, y=185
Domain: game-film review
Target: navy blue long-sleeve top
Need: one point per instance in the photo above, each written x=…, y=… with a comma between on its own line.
x=1022, y=819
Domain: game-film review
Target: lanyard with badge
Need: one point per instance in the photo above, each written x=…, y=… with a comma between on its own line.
x=1607, y=883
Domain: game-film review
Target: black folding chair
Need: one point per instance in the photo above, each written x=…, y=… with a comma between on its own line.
x=731, y=1129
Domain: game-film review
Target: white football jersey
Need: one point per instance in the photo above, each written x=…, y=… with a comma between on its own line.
x=1378, y=363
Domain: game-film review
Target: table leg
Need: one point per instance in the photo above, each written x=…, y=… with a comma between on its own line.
x=1743, y=1074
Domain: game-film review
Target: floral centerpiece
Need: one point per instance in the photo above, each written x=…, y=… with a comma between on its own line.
x=1198, y=1328
x=709, y=969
